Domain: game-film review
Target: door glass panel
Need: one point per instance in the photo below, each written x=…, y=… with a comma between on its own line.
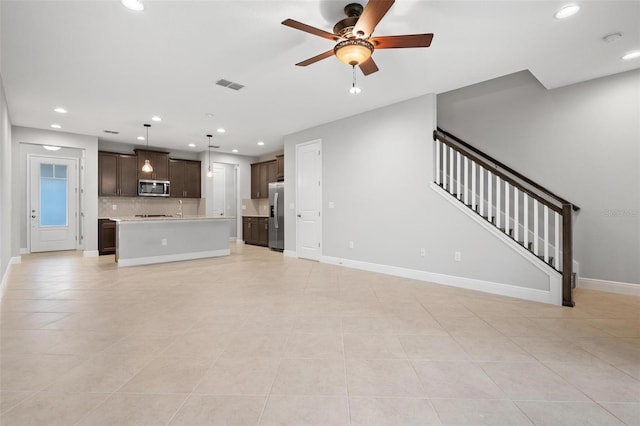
x=46, y=170
x=53, y=195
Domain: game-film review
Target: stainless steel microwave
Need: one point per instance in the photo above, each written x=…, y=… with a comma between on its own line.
x=153, y=188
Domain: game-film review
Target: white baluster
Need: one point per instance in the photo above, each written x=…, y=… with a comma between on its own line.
x=473, y=186
x=556, y=223
x=545, y=240
x=458, y=174
x=498, y=204
x=507, y=218
x=481, y=171
x=466, y=180
x=438, y=168
x=525, y=210
x=516, y=214
x=536, y=236
x=451, y=152
x=489, y=194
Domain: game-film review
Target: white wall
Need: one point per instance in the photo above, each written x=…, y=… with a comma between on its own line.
x=377, y=168
x=6, y=232
x=581, y=142
x=24, y=139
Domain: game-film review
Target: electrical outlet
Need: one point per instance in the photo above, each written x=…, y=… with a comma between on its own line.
x=423, y=252
x=350, y=244
x=164, y=241
x=114, y=206
x=331, y=205
x=457, y=256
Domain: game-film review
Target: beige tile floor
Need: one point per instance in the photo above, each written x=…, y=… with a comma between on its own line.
x=255, y=338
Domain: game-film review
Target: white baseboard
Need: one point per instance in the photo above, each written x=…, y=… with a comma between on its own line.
x=609, y=286
x=172, y=257
x=290, y=253
x=5, y=277
x=91, y=253
x=543, y=296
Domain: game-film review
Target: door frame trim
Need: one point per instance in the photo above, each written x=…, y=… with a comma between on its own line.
x=76, y=160
x=320, y=218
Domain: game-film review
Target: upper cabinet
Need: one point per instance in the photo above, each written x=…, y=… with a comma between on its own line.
x=261, y=175
x=279, y=168
x=185, y=178
x=159, y=161
x=117, y=175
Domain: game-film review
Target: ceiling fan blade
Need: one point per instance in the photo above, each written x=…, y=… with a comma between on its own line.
x=368, y=66
x=316, y=58
x=371, y=15
x=395, y=42
x=309, y=29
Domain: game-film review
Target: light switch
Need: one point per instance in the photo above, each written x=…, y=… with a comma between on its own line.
x=114, y=206
x=331, y=204
x=292, y=206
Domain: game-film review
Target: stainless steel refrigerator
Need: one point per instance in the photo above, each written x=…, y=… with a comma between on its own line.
x=276, y=216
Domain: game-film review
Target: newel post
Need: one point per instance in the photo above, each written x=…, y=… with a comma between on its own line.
x=567, y=255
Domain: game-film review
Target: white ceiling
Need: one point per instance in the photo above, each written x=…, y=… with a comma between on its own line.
x=112, y=68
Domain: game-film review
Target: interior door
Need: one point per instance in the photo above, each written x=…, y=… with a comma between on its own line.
x=219, y=190
x=53, y=202
x=309, y=200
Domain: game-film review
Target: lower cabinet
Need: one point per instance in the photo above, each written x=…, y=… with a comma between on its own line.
x=106, y=236
x=255, y=230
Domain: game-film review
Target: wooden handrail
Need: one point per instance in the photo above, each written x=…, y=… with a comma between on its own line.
x=491, y=163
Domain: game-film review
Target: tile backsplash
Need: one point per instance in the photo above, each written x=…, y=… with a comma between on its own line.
x=131, y=206
x=255, y=207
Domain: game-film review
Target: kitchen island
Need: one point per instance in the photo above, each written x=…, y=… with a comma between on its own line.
x=147, y=240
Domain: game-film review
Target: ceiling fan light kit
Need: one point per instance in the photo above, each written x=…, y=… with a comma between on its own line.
x=354, y=43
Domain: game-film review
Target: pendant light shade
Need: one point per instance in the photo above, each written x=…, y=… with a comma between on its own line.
x=209, y=170
x=147, y=164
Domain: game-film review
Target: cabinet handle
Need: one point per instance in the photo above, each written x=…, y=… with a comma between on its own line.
x=266, y=226
x=249, y=226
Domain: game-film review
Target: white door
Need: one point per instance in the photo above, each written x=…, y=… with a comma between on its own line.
x=219, y=190
x=309, y=200
x=53, y=203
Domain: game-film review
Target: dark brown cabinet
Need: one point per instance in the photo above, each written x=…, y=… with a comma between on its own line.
x=117, y=175
x=159, y=161
x=255, y=230
x=106, y=236
x=279, y=168
x=185, y=179
x=261, y=175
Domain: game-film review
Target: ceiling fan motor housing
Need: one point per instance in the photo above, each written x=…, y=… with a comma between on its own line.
x=344, y=27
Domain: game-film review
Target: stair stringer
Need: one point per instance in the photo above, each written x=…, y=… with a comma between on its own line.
x=554, y=294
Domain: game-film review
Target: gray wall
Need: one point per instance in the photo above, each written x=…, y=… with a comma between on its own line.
x=377, y=168
x=580, y=141
x=25, y=140
x=5, y=184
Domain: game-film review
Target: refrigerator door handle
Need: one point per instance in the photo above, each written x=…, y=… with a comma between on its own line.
x=275, y=205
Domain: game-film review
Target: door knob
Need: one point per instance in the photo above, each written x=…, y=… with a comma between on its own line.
x=299, y=215
x=33, y=216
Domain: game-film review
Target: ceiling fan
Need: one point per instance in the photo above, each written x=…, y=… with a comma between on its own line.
x=353, y=35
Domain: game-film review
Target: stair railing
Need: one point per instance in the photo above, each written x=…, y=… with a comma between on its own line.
x=536, y=218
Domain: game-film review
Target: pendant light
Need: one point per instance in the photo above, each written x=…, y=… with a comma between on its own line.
x=209, y=170
x=147, y=165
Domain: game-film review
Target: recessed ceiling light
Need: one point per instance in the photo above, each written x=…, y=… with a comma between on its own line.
x=234, y=150
x=567, y=11
x=221, y=130
x=140, y=138
x=133, y=5
x=60, y=110
x=192, y=145
x=260, y=143
x=51, y=148
x=156, y=118
x=610, y=38
x=209, y=114
x=56, y=126
x=631, y=55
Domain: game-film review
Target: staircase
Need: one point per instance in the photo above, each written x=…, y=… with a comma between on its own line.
x=531, y=215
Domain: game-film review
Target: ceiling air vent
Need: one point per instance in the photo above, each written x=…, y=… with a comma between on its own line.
x=113, y=132
x=229, y=84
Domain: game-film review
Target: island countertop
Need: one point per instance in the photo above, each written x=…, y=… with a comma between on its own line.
x=167, y=218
